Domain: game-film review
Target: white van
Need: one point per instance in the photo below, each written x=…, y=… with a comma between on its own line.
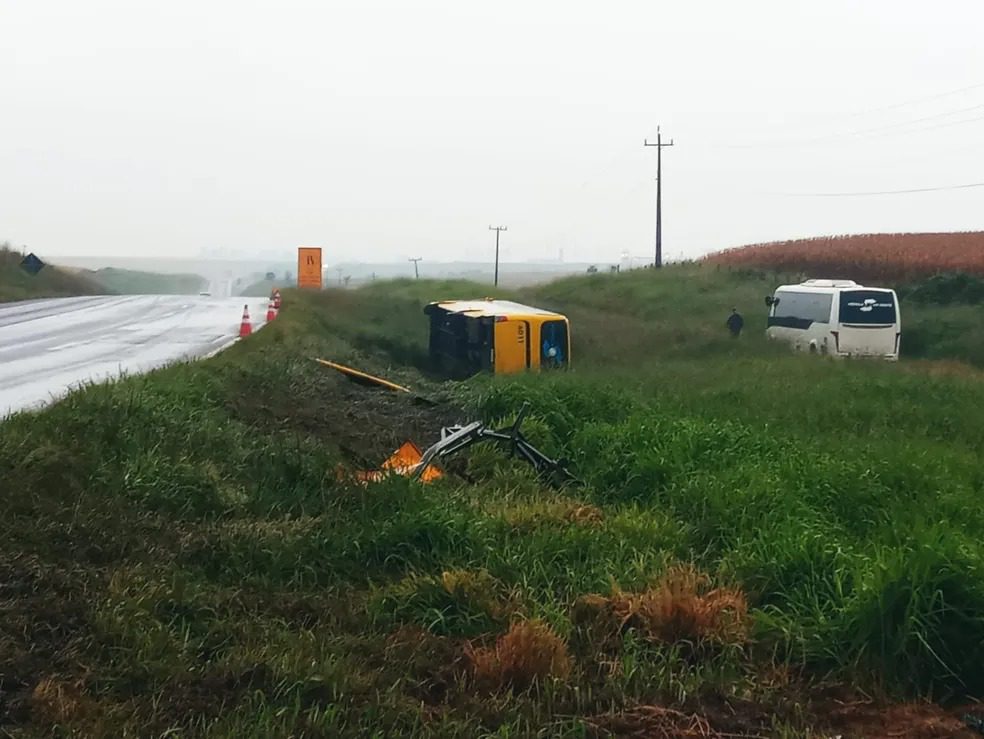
x=836, y=317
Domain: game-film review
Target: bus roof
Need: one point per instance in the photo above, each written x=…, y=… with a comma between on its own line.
x=831, y=283
x=828, y=286
x=490, y=308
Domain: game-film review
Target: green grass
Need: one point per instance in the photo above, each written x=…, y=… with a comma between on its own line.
x=55, y=282
x=131, y=282
x=261, y=289
x=179, y=552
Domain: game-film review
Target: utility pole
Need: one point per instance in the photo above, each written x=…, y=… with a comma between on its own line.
x=416, y=271
x=498, y=230
x=659, y=194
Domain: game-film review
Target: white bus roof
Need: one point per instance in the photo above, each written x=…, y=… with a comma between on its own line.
x=490, y=307
x=828, y=285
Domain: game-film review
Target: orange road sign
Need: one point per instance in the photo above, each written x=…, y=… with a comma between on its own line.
x=309, y=267
x=404, y=461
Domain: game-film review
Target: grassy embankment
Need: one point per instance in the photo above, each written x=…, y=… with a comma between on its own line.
x=261, y=289
x=178, y=551
x=57, y=282
x=50, y=282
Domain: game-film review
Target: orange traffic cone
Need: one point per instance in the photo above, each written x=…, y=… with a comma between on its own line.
x=271, y=312
x=245, y=328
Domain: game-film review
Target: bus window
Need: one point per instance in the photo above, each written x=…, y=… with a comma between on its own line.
x=871, y=307
x=553, y=344
x=800, y=310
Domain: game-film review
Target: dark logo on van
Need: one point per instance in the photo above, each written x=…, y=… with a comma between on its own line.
x=868, y=305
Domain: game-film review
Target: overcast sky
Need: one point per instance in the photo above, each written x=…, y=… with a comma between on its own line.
x=382, y=129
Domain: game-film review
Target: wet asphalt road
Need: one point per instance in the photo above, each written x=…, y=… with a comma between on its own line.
x=49, y=347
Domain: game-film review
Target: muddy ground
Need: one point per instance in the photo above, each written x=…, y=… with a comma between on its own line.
x=365, y=423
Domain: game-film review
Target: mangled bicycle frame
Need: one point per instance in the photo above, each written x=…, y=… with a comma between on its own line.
x=456, y=438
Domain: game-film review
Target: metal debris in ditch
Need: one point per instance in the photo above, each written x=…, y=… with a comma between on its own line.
x=409, y=462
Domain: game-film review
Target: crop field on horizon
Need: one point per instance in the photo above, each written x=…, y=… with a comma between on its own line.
x=885, y=257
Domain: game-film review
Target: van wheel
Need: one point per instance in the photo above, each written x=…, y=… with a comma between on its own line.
x=813, y=348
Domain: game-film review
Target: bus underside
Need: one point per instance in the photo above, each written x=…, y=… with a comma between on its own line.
x=460, y=345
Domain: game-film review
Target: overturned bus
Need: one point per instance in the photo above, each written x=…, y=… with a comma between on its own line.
x=469, y=336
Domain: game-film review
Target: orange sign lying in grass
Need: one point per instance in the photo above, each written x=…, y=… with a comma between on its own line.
x=404, y=461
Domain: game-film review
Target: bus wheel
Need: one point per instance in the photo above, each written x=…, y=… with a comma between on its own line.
x=813, y=348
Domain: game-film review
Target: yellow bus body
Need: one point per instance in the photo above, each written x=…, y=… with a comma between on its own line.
x=468, y=336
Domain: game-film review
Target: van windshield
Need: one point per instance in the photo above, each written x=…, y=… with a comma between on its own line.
x=800, y=310
x=867, y=307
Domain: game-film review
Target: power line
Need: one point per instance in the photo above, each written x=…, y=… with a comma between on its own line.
x=937, y=126
x=876, y=129
x=880, y=192
x=863, y=133
x=944, y=114
x=914, y=101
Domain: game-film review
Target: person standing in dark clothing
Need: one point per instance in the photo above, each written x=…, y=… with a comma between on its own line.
x=735, y=323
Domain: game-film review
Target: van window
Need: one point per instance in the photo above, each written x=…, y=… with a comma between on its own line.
x=801, y=310
x=867, y=307
x=553, y=344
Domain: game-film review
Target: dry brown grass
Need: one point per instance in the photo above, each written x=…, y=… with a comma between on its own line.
x=875, y=720
x=586, y=515
x=530, y=651
x=652, y=722
x=56, y=702
x=681, y=607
